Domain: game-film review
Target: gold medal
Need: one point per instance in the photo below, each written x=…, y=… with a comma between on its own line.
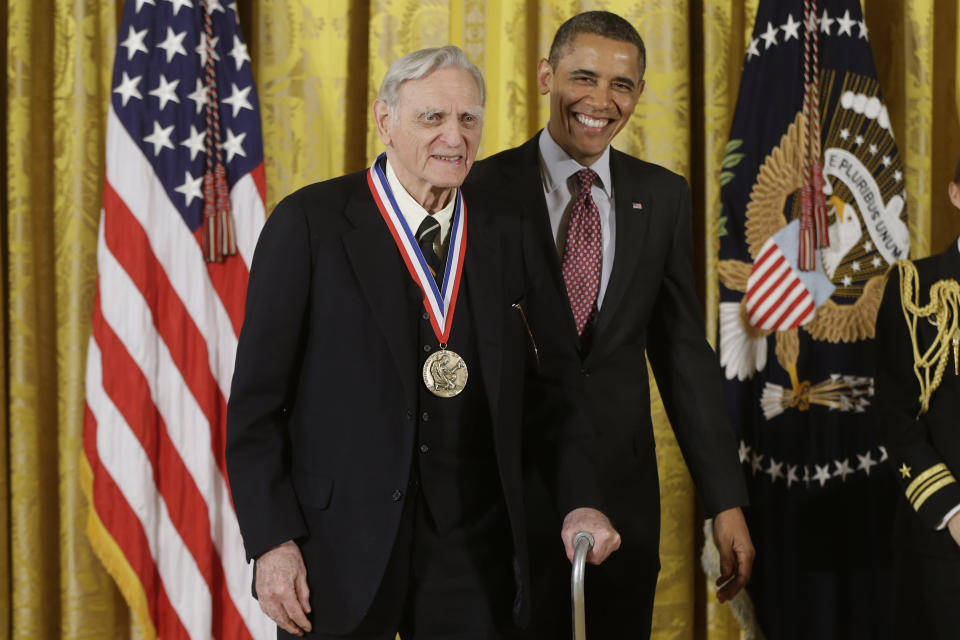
x=445, y=373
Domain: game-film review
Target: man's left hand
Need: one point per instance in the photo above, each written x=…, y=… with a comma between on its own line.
x=606, y=540
x=732, y=538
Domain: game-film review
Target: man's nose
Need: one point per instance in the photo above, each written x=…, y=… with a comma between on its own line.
x=600, y=96
x=450, y=132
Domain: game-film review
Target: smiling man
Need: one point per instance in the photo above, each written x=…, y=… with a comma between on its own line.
x=387, y=358
x=618, y=233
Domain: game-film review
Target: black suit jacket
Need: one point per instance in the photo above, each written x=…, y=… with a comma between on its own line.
x=322, y=413
x=928, y=447
x=650, y=311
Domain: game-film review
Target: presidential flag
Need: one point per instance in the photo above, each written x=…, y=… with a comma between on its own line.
x=814, y=213
x=183, y=203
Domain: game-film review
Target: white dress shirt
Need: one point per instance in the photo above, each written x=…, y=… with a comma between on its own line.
x=561, y=187
x=413, y=213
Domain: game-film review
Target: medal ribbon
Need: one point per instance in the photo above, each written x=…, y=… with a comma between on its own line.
x=441, y=302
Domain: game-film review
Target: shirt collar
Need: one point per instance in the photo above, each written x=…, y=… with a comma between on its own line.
x=557, y=165
x=412, y=211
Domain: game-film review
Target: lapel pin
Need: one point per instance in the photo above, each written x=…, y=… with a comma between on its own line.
x=638, y=205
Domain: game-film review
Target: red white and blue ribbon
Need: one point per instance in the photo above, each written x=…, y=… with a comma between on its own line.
x=441, y=302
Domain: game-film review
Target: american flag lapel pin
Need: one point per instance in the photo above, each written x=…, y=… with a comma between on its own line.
x=638, y=205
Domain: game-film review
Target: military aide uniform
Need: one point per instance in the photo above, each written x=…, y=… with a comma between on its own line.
x=925, y=449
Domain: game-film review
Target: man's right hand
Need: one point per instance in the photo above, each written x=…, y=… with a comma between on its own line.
x=953, y=524
x=282, y=587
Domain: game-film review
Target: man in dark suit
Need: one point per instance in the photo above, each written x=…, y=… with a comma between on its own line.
x=918, y=408
x=618, y=232
x=376, y=422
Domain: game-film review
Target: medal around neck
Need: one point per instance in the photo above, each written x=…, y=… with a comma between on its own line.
x=444, y=372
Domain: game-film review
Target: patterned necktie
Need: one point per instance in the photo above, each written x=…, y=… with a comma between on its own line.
x=426, y=234
x=583, y=253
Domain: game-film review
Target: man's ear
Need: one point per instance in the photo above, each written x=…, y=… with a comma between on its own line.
x=641, y=87
x=544, y=76
x=383, y=120
x=954, y=190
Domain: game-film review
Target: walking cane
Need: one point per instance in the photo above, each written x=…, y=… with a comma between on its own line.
x=582, y=543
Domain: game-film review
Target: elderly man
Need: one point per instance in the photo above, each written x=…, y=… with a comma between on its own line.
x=619, y=232
x=397, y=349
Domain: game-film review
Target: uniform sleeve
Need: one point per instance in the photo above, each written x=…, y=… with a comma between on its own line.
x=264, y=383
x=929, y=485
x=689, y=377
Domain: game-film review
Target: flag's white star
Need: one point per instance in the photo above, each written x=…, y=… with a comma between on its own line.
x=847, y=281
x=858, y=140
x=239, y=52
x=873, y=149
x=806, y=475
x=234, y=145
x=790, y=28
x=770, y=36
x=140, y=4
x=868, y=246
x=843, y=469
x=190, y=187
x=845, y=24
x=855, y=265
x=160, y=138
x=173, y=44
x=792, y=475
x=886, y=161
x=744, y=451
x=195, y=142
x=177, y=4
x=134, y=42
x=755, y=462
x=166, y=91
x=883, y=453
x=863, y=29
x=238, y=99
x=774, y=470
x=844, y=134
x=876, y=262
x=128, y=88
x=822, y=474
x=213, y=5
x=233, y=7
x=865, y=462
x=825, y=22
x=199, y=96
x=202, y=49
x=898, y=175
x=752, y=49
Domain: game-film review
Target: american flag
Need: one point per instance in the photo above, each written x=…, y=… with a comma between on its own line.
x=165, y=321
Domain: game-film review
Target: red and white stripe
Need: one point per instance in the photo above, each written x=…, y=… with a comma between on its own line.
x=159, y=369
x=776, y=298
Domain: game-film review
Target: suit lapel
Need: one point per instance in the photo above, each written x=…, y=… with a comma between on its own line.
x=383, y=278
x=631, y=230
x=526, y=185
x=483, y=273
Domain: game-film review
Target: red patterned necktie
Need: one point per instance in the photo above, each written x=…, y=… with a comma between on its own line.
x=583, y=253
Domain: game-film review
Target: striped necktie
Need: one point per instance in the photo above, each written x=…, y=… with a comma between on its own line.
x=426, y=236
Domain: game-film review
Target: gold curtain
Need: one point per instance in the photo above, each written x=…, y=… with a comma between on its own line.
x=318, y=66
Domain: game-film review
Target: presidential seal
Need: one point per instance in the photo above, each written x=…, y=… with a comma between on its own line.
x=837, y=300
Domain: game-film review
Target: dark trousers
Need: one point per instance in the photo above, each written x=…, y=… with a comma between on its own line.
x=618, y=597
x=442, y=586
x=927, y=598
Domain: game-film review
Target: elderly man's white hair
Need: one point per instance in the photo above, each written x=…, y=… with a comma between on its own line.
x=418, y=64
